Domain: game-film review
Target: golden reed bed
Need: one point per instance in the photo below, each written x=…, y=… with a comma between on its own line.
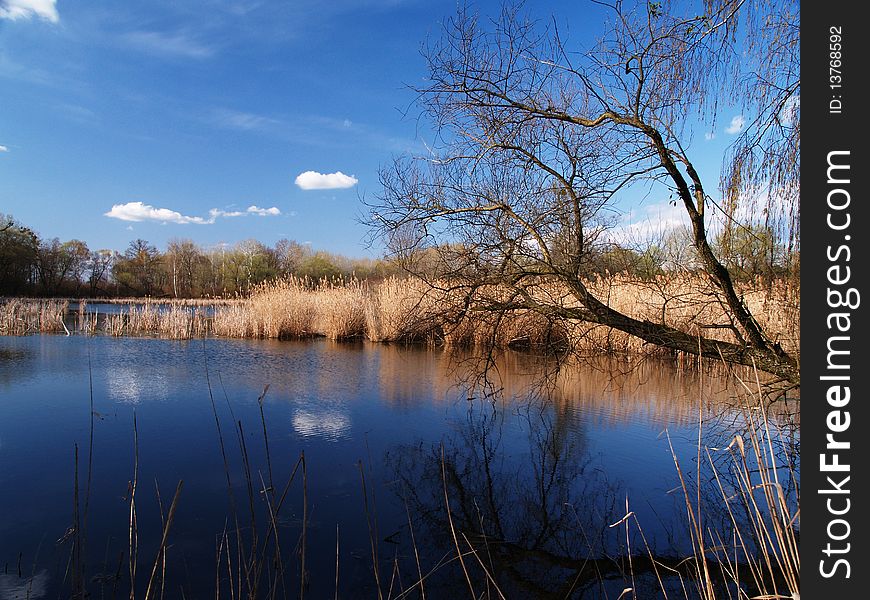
x=408, y=310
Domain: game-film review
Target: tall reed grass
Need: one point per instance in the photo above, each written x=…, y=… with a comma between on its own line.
x=340, y=309
x=408, y=310
x=756, y=496
x=171, y=321
x=402, y=310
x=21, y=316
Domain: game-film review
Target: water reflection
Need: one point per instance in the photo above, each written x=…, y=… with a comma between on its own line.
x=13, y=364
x=529, y=505
x=533, y=480
x=329, y=425
x=14, y=587
x=125, y=385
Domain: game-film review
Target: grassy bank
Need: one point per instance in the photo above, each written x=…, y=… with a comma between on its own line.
x=410, y=311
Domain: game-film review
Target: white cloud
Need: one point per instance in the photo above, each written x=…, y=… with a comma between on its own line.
x=312, y=180
x=216, y=212
x=736, y=126
x=709, y=136
x=647, y=223
x=264, y=212
x=139, y=211
x=26, y=9
x=3, y=148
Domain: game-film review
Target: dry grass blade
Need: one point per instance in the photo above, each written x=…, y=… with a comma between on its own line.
x=486, y=572
x=336, y=561
x=416, y=551
x=372, y=537
x=161, y=551
x=133, y=538
x=452, y=527
x=763, y=554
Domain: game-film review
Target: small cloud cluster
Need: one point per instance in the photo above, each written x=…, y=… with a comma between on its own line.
x=736, y=126
x=27, y=9
x=139, y=211
x=3, y=148
x=264, y=212
x=647, y=223
x=312, y=180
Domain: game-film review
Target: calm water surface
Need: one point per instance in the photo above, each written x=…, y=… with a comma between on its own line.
x=384, y=432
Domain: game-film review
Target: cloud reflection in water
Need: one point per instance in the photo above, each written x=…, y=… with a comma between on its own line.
x=131, y=386
x=13, y=587
x=329, y=424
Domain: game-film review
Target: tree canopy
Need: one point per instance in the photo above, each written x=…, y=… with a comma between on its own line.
x=539, y=139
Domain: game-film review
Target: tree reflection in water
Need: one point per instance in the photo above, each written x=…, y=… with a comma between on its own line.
x=530, y=506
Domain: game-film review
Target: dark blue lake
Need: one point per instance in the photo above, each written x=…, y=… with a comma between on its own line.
x=390, y=436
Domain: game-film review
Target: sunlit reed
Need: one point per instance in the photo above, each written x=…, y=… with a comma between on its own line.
x=22, y=316
x=409, y=310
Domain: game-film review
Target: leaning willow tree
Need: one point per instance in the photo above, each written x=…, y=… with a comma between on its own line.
x=537, y=139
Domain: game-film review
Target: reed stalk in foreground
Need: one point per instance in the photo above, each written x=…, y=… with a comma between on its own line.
x=761, y=510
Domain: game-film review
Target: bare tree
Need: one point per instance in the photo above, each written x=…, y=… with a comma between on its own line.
x=100, y=264
x=139, y=269
x=537, y=140
x=182, y=260
x=59, y=262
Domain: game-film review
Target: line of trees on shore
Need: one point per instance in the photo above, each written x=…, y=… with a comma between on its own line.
x=34, y=266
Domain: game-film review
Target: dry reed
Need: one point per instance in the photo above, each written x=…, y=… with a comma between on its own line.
x=340, y=309
x=761, y=506
x=408, y=310
x=690, y=303
x=401, y=310
x=23, y=316
x=169, y=321
x=282, y=309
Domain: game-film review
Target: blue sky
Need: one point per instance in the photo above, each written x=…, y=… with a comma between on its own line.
x=217, y=121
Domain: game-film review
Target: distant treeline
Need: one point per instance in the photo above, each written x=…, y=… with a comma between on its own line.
x=34, y=266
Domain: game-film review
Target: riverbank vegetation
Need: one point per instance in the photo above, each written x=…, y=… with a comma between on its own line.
x=33, y=266
x=290, y=291
x=409, y=310
x=538, y=146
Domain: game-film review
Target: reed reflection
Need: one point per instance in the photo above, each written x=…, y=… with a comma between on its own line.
x=516, y=498
x=616, y=390
x=528, y=505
